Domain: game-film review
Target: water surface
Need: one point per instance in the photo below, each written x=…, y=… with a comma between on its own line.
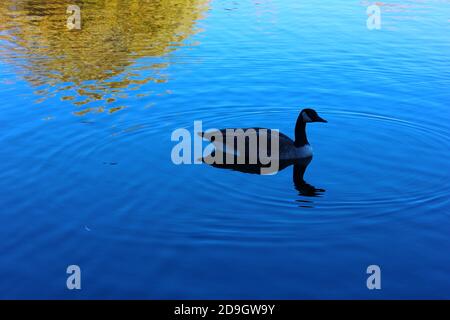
x=86, y=175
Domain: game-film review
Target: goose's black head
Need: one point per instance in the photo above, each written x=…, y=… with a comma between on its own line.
x=310, y=115
x=305, y=116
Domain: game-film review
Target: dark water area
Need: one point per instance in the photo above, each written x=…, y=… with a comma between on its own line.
x=86, y=175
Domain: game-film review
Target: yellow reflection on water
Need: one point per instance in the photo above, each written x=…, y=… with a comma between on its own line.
x=97, y=62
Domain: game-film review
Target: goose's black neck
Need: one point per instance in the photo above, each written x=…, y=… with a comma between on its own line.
x=300, y=133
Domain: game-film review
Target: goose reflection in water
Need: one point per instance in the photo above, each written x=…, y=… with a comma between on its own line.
x=298, y=172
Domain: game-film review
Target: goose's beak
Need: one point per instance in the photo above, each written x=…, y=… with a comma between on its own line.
x=319, y=119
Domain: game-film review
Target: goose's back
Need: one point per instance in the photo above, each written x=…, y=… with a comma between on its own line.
x=226, y=140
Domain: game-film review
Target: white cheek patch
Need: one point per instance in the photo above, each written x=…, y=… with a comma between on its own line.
x=305, y=151
x=306, y=118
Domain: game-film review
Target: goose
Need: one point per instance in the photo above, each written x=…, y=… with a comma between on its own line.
x=288, y=149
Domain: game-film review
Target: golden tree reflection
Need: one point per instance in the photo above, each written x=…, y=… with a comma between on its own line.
x=96, y=62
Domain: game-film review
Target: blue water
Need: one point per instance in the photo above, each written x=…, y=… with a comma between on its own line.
x=98, y=188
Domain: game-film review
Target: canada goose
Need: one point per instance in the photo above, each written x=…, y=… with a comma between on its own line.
x=288, y=149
